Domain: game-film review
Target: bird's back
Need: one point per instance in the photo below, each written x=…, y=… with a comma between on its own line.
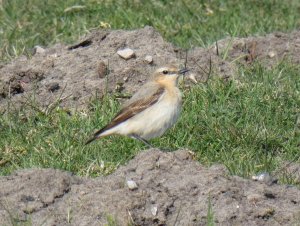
x=146, y=91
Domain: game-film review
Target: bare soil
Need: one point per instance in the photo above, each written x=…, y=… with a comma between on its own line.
x=72, y=75
x=172, y=188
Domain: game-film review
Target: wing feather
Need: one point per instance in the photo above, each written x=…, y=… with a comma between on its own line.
x=131, y=110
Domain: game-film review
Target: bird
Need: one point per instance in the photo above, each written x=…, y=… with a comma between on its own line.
x=153, y=109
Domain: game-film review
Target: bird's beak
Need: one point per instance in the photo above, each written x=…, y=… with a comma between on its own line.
x=183, y=71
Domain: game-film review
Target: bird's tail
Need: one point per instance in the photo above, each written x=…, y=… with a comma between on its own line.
x=97, y=135
x=90, y=140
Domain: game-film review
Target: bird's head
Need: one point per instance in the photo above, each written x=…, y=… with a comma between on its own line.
x=169, y=74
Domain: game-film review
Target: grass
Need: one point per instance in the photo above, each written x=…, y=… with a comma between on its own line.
x=185, y=23
x=210, y=214
x=250, y=125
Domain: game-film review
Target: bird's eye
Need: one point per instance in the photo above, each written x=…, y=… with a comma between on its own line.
x=165, y=72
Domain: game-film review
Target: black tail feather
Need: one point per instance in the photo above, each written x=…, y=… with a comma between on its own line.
x=96, y=135
x=90, y=140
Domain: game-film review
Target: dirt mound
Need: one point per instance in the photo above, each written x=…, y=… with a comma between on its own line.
x=269, y=49
x=71, y=75
x=77, y=72
x=172, y=189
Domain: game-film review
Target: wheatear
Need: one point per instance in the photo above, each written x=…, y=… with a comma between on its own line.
x=151, y=110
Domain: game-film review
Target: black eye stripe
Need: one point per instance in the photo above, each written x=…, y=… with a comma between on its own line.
x=165, y=72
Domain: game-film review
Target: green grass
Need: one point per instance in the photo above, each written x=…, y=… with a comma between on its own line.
x=210, y=214
x=26, y=23
x=250, y=125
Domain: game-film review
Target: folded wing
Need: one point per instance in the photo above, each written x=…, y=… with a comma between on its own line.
x=137, y=104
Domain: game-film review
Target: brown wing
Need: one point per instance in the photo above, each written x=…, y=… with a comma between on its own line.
x=130, y=111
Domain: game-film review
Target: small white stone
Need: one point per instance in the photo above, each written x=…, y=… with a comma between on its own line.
x=38, y=49
x=82, y=193
x=271, y=54
x=154, y=210
x=53, y=55
x=149, y=59
x=264, y=177
x=131, y=185
x=126, y=53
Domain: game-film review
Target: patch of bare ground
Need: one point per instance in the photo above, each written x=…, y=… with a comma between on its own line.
x=71, y=75
x=172, y=189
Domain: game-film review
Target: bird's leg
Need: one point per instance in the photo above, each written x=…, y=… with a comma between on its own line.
x=137, y=137
x=142, y=140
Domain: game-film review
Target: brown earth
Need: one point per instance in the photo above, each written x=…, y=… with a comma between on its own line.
x=172, y=188
x=71, y=75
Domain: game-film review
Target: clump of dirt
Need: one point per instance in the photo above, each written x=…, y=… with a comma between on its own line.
x=172, y=189
x=71, y=75
x=75, y=73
